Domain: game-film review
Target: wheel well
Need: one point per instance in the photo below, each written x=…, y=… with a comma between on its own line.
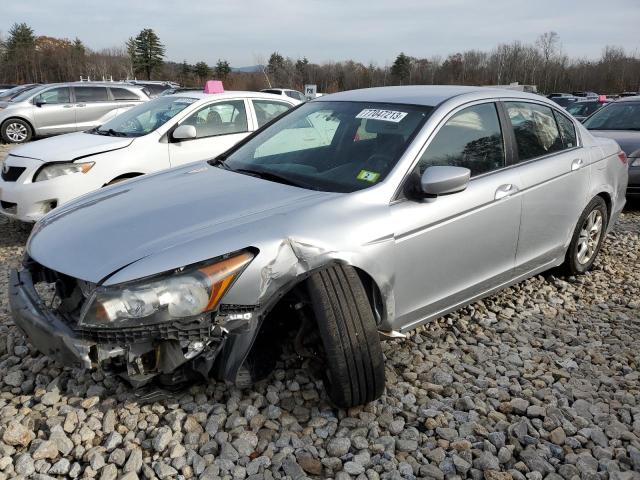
x=124, y=176
x=291, y=313
x=33, y=130
x=607, y=200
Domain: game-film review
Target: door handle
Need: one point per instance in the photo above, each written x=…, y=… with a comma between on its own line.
x=505, y=190
x=577, y=164
x=67, y=106
x=81, y=104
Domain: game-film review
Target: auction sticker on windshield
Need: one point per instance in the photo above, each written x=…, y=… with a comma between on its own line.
x=385, y=115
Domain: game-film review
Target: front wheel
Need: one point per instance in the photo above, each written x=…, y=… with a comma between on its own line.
x=587, y=238
x=15, y=130
x=353, y=354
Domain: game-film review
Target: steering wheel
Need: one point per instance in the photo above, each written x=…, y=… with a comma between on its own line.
x=133, y=125
x=379, y=162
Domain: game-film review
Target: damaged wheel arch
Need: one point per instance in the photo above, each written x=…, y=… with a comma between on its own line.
x=240, y=348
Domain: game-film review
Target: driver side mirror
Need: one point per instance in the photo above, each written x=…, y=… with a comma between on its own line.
x=185, y=132
x=39, y=102
x=443, y=180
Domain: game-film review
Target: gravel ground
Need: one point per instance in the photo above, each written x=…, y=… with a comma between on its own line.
x=539, y=381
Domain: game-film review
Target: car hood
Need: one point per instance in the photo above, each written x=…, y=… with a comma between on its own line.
x=629, y=141
x=103, y=232
x=72, y=146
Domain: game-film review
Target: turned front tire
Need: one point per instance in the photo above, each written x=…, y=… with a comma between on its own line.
x=353, y=354
x=587, y=238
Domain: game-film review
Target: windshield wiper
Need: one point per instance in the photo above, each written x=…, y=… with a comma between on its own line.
x=219, y=162
x=275, y=177
x=109, y=133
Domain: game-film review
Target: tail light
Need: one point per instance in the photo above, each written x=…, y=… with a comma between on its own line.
x=602, y=98
x=623, y=157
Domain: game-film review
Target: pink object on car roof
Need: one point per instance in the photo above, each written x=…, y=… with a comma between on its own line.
x=213, y=86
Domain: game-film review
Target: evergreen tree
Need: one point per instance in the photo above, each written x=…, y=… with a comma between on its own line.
x=401, y=68
x=223, y=69
x=202, y=70
x=146, y=52
x=19, y=52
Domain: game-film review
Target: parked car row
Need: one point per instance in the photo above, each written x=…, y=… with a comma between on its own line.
x=161, y=133
x=346, y=218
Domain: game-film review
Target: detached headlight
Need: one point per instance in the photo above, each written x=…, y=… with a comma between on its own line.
x=635, y=162
x=182, y=294
x=58, y=169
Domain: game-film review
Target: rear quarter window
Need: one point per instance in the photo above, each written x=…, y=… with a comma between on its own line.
x=567, y=130
x=122, y=94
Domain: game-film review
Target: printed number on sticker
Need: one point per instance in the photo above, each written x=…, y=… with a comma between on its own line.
x=385, y=115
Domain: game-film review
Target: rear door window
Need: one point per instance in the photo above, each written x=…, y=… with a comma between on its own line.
x=267, y=110
x=91, y=94
x=472, y=138
x=535, y=130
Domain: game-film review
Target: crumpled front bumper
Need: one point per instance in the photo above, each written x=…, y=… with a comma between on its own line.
x=50, y=335
x=44, y=329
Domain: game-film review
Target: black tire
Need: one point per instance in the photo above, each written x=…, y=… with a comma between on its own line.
x=10, y=128
x=353, y=354
x=572, y=264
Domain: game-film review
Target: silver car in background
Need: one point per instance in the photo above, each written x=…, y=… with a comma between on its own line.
x=357, y=215
x=65, y=107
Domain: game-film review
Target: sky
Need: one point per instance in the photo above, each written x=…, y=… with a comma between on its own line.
x=245, y=32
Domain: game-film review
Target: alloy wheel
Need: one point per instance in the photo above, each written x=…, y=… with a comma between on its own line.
x=16, y=132
x=589, y=237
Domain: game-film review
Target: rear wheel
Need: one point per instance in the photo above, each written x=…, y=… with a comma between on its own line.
x=353, y=354
x=15, y=130
x=587, y=238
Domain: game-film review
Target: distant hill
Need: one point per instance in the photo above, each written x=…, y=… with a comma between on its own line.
x=250, y=69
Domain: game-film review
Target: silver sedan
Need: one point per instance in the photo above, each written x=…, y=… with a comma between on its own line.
x=355, y=216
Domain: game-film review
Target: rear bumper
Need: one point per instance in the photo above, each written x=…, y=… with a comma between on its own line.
x=45, y=330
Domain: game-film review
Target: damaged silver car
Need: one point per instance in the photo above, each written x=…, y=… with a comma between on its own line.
x=354, y=217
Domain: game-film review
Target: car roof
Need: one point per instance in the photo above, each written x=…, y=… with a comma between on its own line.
x=629, y=99
x=200, y=95
x=92, y=84
x=427, y=95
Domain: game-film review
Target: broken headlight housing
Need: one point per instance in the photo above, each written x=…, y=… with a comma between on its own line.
x=185, y=293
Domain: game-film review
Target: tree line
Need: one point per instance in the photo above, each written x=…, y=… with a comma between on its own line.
x=27, y=57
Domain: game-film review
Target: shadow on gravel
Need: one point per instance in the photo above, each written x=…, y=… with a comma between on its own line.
x=13, y=234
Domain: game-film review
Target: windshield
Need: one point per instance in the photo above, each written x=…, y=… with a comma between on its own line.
x=144, y=118
x=331, y=146
x=583, y=109
x=27, y=94
x=616, y=116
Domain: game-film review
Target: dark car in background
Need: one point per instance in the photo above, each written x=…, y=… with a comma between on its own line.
x=5, y=86
x=620, y=120
x=154, y=88
x=584, y=107
x=562, y=99
x=10, y=94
